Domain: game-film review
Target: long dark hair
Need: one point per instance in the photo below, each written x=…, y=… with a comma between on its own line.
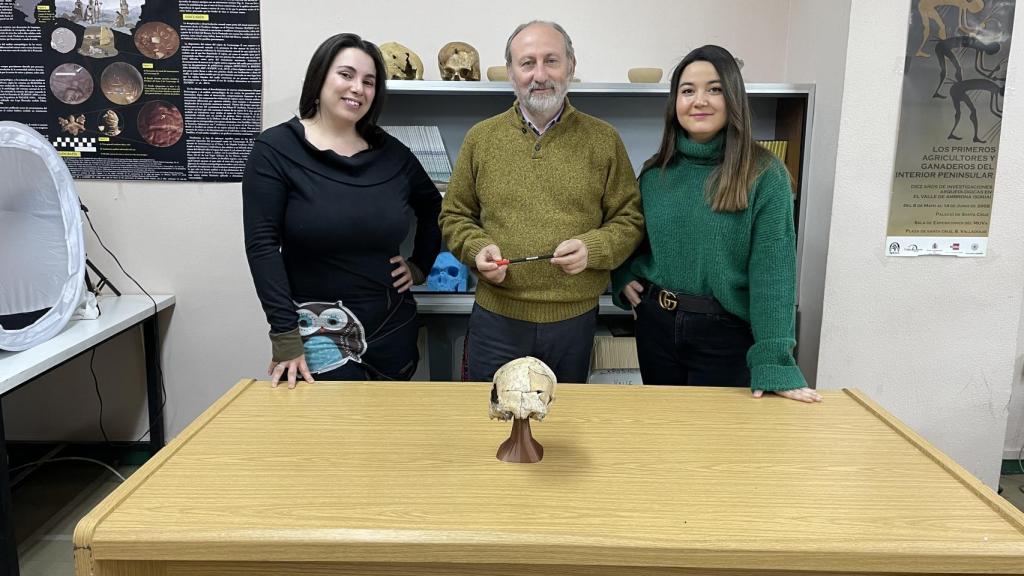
x=316, y=74
x=743, y=159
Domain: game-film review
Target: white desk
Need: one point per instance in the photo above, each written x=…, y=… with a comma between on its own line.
x=117, y=315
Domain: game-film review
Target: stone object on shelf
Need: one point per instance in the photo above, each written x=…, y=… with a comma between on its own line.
x=497, y=74
x=644, y=75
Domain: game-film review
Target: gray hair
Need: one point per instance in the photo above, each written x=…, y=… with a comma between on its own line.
x=568, y=41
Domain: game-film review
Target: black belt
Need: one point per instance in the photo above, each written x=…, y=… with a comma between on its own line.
x=674, y=301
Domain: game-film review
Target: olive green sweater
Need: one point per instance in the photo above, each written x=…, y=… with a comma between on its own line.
x=527, y=194
x=747, y=259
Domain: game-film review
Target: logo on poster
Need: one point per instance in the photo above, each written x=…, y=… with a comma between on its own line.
x=894, y=248
x=974, y=247
x=955, y=245
x=912, y=248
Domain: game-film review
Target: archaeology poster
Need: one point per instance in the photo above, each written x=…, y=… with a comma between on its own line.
x=136, y=89
x=950, y=118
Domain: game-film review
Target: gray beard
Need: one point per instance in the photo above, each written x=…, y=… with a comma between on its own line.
x=542, y=105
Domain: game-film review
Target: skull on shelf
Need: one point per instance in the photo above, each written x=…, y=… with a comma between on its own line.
x=402, y=63
x=447, y=274
x=522, y=389
x=459, y=61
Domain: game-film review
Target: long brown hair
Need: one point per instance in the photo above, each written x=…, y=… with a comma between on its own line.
x=744, y=159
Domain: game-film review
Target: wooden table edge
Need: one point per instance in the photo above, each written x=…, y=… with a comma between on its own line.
x=86, y=527
x=997, y=503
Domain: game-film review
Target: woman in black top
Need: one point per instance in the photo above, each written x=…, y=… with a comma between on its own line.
x=326, y=202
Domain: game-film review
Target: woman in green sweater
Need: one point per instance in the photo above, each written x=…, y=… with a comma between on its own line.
x=714, y=286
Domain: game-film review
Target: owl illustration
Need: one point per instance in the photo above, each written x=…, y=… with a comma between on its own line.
x=331, y=335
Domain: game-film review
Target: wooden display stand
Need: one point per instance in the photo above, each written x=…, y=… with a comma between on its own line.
x=520, y=447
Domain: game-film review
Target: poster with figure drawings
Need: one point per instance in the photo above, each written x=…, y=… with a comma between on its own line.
x=136, y=89
x=950, y=117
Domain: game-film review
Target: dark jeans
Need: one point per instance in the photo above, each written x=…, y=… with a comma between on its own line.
x=691, y=349
x=493, y=340
x=391, y=352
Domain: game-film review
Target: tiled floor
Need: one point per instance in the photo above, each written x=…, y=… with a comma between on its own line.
x=47, y=506
x=46, y=549
x=1013, y=489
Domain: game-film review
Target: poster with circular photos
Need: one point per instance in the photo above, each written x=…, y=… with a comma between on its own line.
x=125, y=89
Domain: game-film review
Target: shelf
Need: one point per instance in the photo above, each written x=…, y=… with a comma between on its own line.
x=428, y=303
x=604, y=88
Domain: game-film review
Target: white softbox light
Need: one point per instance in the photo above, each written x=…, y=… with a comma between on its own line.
x=42, y=252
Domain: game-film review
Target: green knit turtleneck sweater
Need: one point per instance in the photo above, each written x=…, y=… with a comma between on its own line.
x=747, y=260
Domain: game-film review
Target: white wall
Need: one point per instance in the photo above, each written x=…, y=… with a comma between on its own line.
x=186, y=239
x=1013, y=449
x=816, y=53
x=933, y=340
x=609, y=36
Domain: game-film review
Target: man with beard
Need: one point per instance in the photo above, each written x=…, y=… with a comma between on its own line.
x=541, y=179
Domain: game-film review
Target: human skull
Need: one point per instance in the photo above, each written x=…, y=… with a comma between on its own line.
x=402, y=63
x=459, y=61
x=523, y=388
x=447, y=274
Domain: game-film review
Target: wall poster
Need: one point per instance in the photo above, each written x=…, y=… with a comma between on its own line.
x=136, y=89
x=950, y=118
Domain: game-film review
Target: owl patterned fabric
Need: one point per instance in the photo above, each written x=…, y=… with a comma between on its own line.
x=331, y=335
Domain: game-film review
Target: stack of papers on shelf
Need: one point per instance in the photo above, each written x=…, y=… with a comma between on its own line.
x=425, y=142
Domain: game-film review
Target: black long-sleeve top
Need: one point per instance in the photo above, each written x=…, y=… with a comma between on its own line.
x=321, y=227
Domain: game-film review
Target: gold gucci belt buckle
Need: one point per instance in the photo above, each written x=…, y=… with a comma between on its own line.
x=667, y=300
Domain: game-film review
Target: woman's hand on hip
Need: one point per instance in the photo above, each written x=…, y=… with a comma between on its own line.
x=292, y=368
x=402, y=274
x=632, y=292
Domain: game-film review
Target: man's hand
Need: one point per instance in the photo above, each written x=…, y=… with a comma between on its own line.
x=571, y=256
x=486, y=264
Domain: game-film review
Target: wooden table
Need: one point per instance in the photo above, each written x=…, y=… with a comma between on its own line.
x=401, y=478
x=118, y=314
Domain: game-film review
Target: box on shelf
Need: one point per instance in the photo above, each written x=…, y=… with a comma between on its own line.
x=614, y=361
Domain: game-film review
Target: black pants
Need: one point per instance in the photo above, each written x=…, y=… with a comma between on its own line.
x=691, y=349
x=391, y=351
x=492, y=340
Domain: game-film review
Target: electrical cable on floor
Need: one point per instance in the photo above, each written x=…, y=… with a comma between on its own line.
x=65, y=458
x=96, y=385
x=156, y=320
